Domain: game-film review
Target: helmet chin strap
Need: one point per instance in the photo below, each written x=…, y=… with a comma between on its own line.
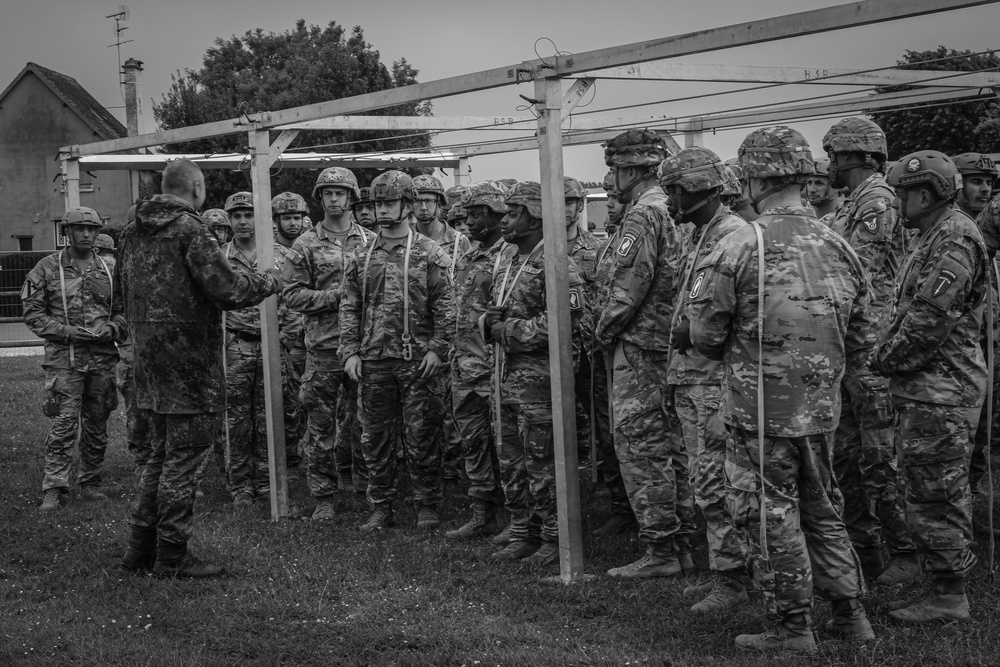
x=685, y=212
x=624, y=191
x=755, y=202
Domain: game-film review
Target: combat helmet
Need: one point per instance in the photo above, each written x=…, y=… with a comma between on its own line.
x=425, y=184
x=336, y=177
x=732, y=186
x=572, y=189
x=975, y=163
x=288, y=202
x=695, y=169
x=454, y=194
x=527, y=194
x=491, y=194
x=239, y=200
x=392, y=185
x=609, y=183
x=81, y=215
x=216, y=217
x=104, y=242
x=855, y=135
x=635, y=148
x=822, y=166
x=364, y=197
x=776, y=152
x=931, y=167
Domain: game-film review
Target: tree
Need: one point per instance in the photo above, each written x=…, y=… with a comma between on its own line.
x=266, y=72
x=949, y=128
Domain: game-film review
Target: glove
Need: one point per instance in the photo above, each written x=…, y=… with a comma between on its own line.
x=105, y=334
x=78, y=334
x=493, y=315
x=681, y=336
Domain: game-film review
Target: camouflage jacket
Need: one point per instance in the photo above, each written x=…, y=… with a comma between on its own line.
x=693, y=367
x=604, y=266
x=89, y=304
x=452, y=241
x=641, y=293
x=815, y=321
x=988, y=222
x=473, y=284
x=525, y=375
x=372, y=322
x=930, y=347
x=175, y=280
x=289, y=321
x=584, y=252
x=245, y=320
x=314, y=273
x=868, y=222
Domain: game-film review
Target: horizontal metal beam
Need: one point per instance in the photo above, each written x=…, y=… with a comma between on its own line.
x=513, y=123
x=290, y=160
x=575, y=139
x=754, y=32
x=837, y=76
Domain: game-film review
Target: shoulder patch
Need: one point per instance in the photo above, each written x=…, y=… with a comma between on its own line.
x=575, y=299
x=627, y=243
x=696, y=286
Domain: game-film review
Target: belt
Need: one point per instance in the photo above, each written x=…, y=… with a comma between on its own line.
x=246, y=335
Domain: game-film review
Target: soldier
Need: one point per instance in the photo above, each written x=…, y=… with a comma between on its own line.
x=104, y=246
x=314, y=273
x=248, y=470
x=785, y=333
x=69, y=301
x=693, y=179
x=287, y=213
x=217, y=219
x=364, y=210
x=457, y=217
x=616, y=209
x=517, y=322
x=937, y=376
x=740, y=203
x=978, y=174
x=397, y=324
x=864, y=453
x=819, y=193
x=633, y=325
x=174, y=279
x=471, y=367
x=137, y=432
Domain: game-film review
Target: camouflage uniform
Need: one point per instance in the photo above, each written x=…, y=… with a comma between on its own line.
x=137, y=435
x=248, y=468
x=864, y=455
x=988, y=222
x=177, y=331
x=293, y=365
x=372, y=328
x=697, y=397
x=634, y=322
x=937, y=377
x=314, y=273
x=471, y=368
x=527, y=459
x=80, y=388
x=815, y=325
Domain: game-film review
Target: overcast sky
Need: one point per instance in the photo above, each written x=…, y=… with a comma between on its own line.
x=443, y=38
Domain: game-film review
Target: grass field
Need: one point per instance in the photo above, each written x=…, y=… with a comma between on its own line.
x=298, y=593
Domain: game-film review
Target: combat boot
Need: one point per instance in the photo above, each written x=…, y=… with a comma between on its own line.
x=618, y=524
x=503, y=539
x=483, y=522
x=428, y=518
x=515, y=550
x=51, y=500
x=699, y=591
x=174, y=562
x=547, y=554
x=379, y=520
x=656, y=562
x=849, y=621
x=242, y=500
x=685, y=559
x=947, y=602
x=901, y=570
x=727, y=593
x=793, y=634
x=325, y=510
x=92, y=493
x=871, y=561
x=140, y=556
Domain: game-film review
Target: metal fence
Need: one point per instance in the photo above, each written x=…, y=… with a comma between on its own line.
x=14, y=267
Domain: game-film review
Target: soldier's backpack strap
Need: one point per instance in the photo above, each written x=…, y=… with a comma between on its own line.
x=991, y=270
x=454, y=258
x=62, y=291
x=765, y=558
x=364, y=282
x=407, y=345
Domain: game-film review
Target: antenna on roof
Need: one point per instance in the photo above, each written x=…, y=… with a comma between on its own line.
x=120, y=17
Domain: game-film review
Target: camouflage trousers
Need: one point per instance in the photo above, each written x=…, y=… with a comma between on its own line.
x=935, y=445
x=318, y=396
x=592, y=384
x=528, y=470
x=705, y=438
x=137, y=436
x=472, y=415
x=807, y=541
x=293, y=365
x=79, y=402
x=391, y=389
x=864, y=462
x=347, y=450
x=981, y=448
x=452, y=449
x=165, y=500
x=650, y=448
x=246, y=418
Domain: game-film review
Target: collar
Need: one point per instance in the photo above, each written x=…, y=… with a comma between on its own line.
x=354, y=230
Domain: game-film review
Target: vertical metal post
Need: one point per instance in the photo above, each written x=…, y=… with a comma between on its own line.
x=462, y=171
x=71, y=183
x=270, y=344
x=549, y=92
x=695, y=136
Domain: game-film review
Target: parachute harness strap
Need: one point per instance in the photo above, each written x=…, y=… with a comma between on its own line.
x=991, y=271
x=407, y=344
x=765, y=557
x=62, y=291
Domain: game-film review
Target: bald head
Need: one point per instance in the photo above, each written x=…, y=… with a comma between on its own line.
x=183, y=178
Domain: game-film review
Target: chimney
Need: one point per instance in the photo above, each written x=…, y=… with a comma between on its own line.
x=133, y=96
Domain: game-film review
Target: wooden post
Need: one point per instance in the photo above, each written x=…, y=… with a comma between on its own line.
x=462, y=171
x=695, y=136
x=71, y=183
x=549, y=92
x=270, y=345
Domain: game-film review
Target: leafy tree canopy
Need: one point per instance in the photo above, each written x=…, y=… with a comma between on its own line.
x=949, y=128
x=266, y=72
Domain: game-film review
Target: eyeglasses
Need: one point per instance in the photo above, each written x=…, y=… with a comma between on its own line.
x=426, y=202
